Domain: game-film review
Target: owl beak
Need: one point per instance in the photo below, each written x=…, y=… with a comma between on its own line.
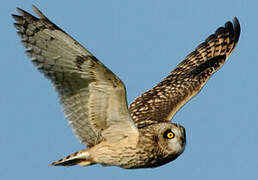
x=183, y=139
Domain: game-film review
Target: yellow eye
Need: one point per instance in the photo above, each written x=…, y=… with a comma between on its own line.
x=169, y=134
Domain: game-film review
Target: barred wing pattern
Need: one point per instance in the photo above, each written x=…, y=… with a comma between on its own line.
x=165, y=99
x=93, y=98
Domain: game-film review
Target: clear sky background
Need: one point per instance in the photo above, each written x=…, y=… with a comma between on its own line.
x=141, y=41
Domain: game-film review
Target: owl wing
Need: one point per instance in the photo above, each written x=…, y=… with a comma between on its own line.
x=93, y=98
x=166, y=98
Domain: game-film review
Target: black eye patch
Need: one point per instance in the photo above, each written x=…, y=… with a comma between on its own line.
x=168, y=134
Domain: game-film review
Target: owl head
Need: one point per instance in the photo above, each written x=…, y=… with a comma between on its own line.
x=171, y=138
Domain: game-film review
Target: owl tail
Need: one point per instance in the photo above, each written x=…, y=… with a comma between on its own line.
x=79, y=158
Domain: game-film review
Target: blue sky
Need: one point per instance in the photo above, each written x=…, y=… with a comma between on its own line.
x=141, y=41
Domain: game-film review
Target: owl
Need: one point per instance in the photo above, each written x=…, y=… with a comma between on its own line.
x=94, y=98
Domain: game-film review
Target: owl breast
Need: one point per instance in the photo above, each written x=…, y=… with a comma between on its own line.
x=146, y=152
x=151, y=150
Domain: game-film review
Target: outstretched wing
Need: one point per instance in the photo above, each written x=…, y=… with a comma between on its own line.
x=165, y=99
x=93, y=98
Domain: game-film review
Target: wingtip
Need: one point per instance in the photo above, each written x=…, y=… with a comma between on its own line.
x=16, y=17
x=237, y=28
x=234, y=27
x=20, y=11
x=236, y=20
x=38, y=12
x=35, y=9
x=236, y=24
x=34, y=6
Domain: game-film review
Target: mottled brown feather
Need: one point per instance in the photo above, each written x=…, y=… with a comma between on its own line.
x=166, y=98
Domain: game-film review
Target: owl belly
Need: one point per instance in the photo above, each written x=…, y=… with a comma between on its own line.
x=120, y=153
x=128, y=155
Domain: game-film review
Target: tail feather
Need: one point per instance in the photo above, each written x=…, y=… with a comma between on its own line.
x=79, y=158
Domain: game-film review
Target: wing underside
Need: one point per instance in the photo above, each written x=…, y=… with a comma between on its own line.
x=93, y=98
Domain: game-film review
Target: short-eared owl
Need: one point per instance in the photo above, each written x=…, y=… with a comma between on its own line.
x=94, y=98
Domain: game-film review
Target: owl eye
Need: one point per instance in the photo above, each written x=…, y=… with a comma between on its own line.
x=169, y=134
